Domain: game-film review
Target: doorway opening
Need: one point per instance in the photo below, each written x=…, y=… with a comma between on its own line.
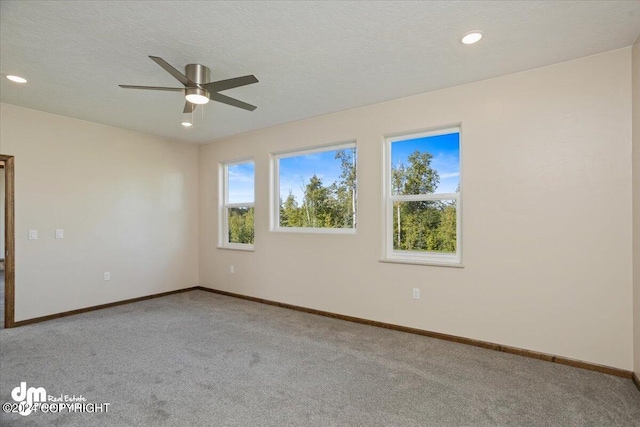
x=7, y=243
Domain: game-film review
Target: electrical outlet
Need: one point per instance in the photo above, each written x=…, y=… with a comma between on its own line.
x=107, y=275
x=232, y=269
x=59, y=233
x=416, y=293
x=33, y=234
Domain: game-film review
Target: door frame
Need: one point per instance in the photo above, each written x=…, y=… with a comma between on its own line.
x=9, y=242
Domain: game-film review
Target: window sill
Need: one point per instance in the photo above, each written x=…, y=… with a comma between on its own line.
x=244, y=248
x=309, y=230
x=420, y=262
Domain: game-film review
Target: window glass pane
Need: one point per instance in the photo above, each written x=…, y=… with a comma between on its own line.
x=426, y=165
x=318, y=190
x=240, y=225
x=425, y=226
x=240, y=180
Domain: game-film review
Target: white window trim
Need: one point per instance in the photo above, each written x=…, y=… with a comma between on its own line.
x=223, y=206
x=275, y=188
x=410, y=257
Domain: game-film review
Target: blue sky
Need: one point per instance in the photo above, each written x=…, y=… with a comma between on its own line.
x=241, y=183
x=445, y=150
x=295, y=172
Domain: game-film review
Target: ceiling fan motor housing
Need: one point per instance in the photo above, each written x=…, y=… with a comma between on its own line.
x=198, y=73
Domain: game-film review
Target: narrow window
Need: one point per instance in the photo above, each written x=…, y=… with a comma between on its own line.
x=423, y=198
x=315, y=190
x=236, y=207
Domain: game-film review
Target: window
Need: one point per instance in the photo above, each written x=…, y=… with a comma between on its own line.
x=236, y=205
x=315, y=190
x=422, y=192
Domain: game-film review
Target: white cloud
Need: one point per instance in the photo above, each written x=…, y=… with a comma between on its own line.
x=238, y=176
x=449, y=175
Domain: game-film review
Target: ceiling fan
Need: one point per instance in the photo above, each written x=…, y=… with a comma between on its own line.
x=197, y=87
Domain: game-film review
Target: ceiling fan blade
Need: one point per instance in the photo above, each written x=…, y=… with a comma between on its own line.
x=175, y=73
x=189, y=107
x=221, y=85
x=231, y=101
x=171, y=89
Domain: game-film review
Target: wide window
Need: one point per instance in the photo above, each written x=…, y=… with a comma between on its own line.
x=315, y=190
x=236, y=205
x=422, y=176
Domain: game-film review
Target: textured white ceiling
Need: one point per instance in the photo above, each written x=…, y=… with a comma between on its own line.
x=311, y=58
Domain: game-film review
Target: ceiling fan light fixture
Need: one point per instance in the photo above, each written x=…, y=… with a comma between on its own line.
x=195, y=95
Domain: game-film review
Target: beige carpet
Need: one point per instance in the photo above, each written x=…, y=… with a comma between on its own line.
x=201, y=359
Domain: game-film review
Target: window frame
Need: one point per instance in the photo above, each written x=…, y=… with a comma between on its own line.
x=275, y=188
x=224, y=205
x=410, y=257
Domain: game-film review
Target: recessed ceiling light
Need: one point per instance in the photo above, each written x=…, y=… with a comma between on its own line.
x=472, y=37
x=187, y=120
x=17, y=79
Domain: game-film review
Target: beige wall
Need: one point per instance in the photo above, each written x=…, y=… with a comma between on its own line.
x=546, y=215
x=127, y=203
x=636, y=204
